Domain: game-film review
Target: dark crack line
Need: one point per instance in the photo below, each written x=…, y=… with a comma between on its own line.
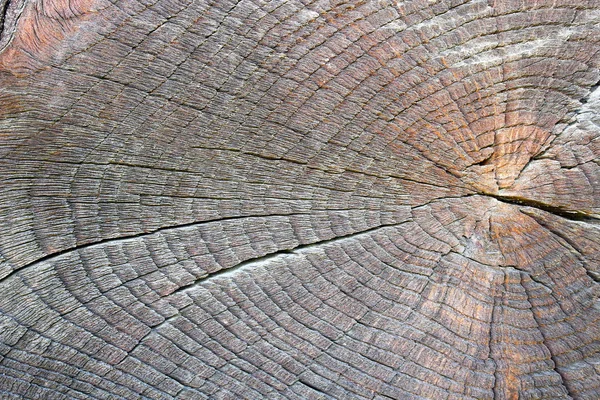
x=442, y=199
x=277, y=254
x=571, y=215
x=530, y=275
x=312, y=386
x=545, y=342
x=536, y=280
x=558, y=211
x=10, y=12
x=4, y=4
x=571, y=246
x=595, y=276
x=262, y=260
x=135, y=236
x=594, y=87
x=570, y=120
x=491, y=337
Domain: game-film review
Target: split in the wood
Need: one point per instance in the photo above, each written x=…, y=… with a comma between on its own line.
x=109, y=240
x=591, y=92
x=3, y=10
x=10, y=10
x=573, y=246
x=561, y=212
x=254, y=262
x=305, y=382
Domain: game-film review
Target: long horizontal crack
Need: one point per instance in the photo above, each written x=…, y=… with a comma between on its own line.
x=135, y=236
x=274, y=255
x=573, y=215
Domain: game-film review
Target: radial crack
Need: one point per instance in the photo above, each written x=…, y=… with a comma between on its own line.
x=134, y=236
x=10, y=10
x=571, y=245
x=281, y=253
x=3, y=11
x=312, y=386
x=545, y=342
x=490, y=338
x=254, y=262
x=573, y=215
x=595, y=87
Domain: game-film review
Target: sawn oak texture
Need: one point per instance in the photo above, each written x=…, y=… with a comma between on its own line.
x=299, y=199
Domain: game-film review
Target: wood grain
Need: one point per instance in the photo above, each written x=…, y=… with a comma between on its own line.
x=299, y=199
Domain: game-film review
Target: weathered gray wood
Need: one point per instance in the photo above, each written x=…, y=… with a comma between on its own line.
x=304, y=200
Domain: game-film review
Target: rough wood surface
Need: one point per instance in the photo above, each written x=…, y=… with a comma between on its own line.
x=299, y=199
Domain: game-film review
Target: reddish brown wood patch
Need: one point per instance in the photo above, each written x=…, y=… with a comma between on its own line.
x=41, y=27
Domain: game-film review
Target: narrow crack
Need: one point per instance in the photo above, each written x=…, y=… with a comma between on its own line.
x=3, y=11
x=536, y=279
x=313, y=387
x=134, y=236
x=530, y=275
x=573, y=215
x=545, y=342
x=259, y=260
x=571, y=245
x=10, y=11
x=595, y=276
x=574, y=246
x=277, y=254
x=491, y=338
x=486, y=161
x=592, y=90
x=569, y=120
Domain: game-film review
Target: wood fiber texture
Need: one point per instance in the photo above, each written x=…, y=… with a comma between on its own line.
x=299, y=199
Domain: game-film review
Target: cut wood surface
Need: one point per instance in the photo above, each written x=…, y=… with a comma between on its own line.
x=299, y=199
